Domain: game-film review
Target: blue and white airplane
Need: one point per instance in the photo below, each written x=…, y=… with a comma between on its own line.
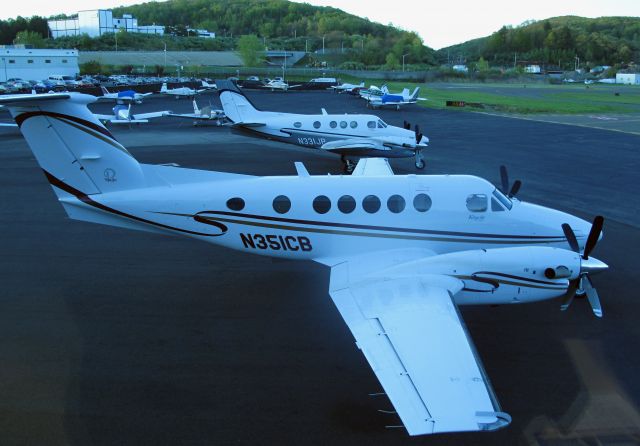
x=404, y=250
x=123, y=96
x=389, y=100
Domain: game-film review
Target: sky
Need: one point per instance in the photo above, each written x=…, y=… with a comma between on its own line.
x=440, y=23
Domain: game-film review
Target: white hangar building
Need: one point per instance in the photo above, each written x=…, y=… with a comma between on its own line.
x=36, y=64
x=96, y=22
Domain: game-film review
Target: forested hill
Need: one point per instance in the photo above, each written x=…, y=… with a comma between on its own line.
x=297, y=25
x=600, y=41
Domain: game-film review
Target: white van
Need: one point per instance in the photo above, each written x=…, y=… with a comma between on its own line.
x=65, y=81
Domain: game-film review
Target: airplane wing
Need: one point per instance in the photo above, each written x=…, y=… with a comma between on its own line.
x=186, y=116
x=104, y=117
x=143, y=116
x=416, y=342
x=354, y=144
x=373, y=167
x=248, y=124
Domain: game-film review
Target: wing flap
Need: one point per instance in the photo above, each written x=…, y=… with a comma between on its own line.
x=417, y=345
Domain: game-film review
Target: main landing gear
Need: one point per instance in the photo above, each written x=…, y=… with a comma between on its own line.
x=420, y=164
x=347, y=165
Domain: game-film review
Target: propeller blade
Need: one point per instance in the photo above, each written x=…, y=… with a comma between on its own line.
x=592, y=295
x=571, y=238
x=568, y=297
x=594, y=234
x=406, y=125
x=504, y=179
x=418, y=138
x=515, y=188
x=417, y=129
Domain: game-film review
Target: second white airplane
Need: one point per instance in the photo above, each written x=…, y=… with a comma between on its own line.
x=346, y=135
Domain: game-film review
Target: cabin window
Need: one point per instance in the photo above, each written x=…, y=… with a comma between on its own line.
x=495, y=206
x=346, y=204
x=321, y=204
x=235, y=204
x=297, y=125
x=354, y=124
x=64, y=60
x=343, y=124
x=477, y=202
x=47, y=61
x=395, y=203
x=381, y=124
x=371, y=124
x=371, y=204
x=316, y=125
x=29, y=60
x=422, y=202
x=333, y=124
x=281, y=204
x=12, y=61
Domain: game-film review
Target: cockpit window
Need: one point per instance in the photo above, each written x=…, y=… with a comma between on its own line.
x=502, y=198
x=381, y=124
x=495, y=205
x=477, y=202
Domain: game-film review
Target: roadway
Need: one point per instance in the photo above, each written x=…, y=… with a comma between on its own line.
x=109, y=336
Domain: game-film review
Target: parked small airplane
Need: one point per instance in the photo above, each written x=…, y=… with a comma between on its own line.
x=201, y=114
x=396, y=101
x=347, y=88
x=181, y=91
x=208, y=86
x=274, y=84
x=123, y=96
x=346, y=135
x=404, y=250
x=122, y=115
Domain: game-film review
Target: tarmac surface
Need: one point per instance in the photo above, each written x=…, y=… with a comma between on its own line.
x=110, y=336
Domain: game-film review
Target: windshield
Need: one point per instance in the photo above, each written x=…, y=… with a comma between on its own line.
x=502, y=198
x=381, y=124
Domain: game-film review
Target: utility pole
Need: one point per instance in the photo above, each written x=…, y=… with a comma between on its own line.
x=306, y=45
x=515, y=60
x=165, y=54
x=403, y=56
x=323, y=44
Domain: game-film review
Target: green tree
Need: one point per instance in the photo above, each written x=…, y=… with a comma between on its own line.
x=482, y=65
x=391, y=62
x=29, y=38
x=250, y=49
x=91, y=67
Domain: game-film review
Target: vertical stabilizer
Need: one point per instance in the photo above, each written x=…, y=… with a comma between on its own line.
x=71, y=145
x=237, y=107
x=414, y=96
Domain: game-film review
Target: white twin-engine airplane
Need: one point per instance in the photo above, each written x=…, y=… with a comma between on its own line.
x=123, y=96
x=201, y=114
x=122, y=115
x=346, y=135
x=404, y=251
x=181, y=91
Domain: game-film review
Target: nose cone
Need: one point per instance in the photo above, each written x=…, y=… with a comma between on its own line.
x=592, y=266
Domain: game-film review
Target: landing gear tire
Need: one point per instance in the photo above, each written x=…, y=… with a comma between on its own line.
x=420, y=164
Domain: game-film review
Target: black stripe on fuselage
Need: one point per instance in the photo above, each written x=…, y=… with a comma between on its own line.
x=382, y=228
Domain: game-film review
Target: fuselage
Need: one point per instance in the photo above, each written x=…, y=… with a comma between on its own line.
x=316, y=130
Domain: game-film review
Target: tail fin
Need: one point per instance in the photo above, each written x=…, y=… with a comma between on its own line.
x=414, y=96
x=196, y=110
x=384, y=89
x=104, y=90
x=163, y=89
x=405, y=93
x=361, y=84
x=237, y=107
x=73, y=148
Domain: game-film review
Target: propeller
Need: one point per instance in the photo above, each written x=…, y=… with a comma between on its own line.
x=406, y=125
x=504, y=179
x=418, y=134
x=587, y=266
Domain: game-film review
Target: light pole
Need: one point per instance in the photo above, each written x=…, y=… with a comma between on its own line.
x=165, y=54
x=403, y=56
x=115, y=34
x=323, y=44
